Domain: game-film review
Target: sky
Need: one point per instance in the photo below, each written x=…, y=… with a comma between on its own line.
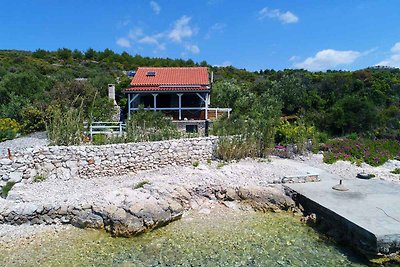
x=277, y=34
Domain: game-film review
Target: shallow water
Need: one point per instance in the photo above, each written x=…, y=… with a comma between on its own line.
x=222, y=238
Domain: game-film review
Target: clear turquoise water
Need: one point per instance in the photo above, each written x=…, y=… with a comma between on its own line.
x=220, y=239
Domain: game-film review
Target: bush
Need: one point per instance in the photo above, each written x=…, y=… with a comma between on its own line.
x=196, y=164
x=396, y=171
x=295, y=133
x=141, y=184
x=237, y=147
x=39, y=178
x=8, y=129
x=99, y=139
x=372, y=152
x=65, y=126
x=6, y=188
x=33, y=119
x=146, y=126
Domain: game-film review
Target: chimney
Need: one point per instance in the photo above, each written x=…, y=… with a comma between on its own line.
x=111, y=93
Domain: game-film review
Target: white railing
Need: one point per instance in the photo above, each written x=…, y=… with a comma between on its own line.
x=102, y=127
x=223, y=110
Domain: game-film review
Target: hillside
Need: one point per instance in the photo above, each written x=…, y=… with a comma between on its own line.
x=337, y=102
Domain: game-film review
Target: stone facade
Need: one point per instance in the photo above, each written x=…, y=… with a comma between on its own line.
x=66, y=162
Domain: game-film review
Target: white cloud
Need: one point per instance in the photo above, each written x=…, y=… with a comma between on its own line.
x=153, y=40
x=394, y=59
x=217, y=27
x=396, y=48
x=285, y=17
x=124, y=22
x=194, y=49
x=181, y=29
x=328, y=58
x=135, y=33
x=294, y=58
x=123, y=42
x=156, y=7
x=180, y=34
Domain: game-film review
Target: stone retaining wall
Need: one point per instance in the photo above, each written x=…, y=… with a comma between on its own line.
x=66, y=162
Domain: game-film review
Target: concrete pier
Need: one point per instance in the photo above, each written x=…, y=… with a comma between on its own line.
x=368, y=215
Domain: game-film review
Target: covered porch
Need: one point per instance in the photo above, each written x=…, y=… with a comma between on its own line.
x=177, y=105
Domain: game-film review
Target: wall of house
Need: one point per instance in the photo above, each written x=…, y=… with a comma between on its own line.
x=70, y=162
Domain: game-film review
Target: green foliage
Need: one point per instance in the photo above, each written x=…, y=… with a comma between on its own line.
x=295, y=133
x=99, y=139
x=6, y=189
x=150, y=126
x=141, y=184
x=250, y=131
x=373, y=152
x=8, y=129
x=396, y=171
x=195, y=164
x=33, y=119
x=39, y=178
x=65, y=126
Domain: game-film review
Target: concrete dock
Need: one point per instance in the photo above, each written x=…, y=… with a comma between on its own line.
x=368, y=215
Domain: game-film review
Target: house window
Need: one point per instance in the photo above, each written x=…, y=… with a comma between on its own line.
x=151, y=73
x=191, y=128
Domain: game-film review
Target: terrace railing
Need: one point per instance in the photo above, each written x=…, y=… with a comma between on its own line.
x=102, y=127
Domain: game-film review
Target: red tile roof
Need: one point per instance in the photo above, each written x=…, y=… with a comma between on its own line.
x=170, y=79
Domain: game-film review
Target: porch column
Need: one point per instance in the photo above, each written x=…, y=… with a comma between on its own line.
x=180, y=106
x=130, y=102
x=129, y=106
x=155, y=101
x=206, y=102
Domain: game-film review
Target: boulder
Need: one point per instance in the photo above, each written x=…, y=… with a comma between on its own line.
x=88, y=220
x=15, y=177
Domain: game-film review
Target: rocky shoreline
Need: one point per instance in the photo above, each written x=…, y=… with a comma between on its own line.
x=129, y=205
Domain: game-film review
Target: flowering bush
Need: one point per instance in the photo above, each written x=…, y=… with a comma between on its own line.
x=373, y=152
x=8, y=129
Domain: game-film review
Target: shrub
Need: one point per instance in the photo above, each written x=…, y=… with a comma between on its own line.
x=141, y=184
x=373, y=152
x=396, y=171
x=8, y=129
x=237, y=147
x=196, y=164
x=6, y=189
x=99, y=139
x=295, y=133
x=65, y=126
x=39, y=178
x=33, y=119
x=150, y=126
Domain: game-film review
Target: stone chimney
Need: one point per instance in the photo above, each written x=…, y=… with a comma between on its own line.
x=111, y=93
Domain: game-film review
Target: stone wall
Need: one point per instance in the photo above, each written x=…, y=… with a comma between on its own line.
x=66, y=162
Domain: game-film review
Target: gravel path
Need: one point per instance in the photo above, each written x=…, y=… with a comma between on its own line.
x=33, y=140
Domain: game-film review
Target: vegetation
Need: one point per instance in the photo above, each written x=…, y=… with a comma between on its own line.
x=396, y=171
x=150, y=126
x=373, y=152
x=141, y=184
x=296, y=133
x=6, y=189
x=65, y=127
x=37, y=88
x=195, y=164
x=8, y=129
x=39, y=178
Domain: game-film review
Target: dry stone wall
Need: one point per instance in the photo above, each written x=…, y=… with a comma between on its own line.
x=67, y=162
